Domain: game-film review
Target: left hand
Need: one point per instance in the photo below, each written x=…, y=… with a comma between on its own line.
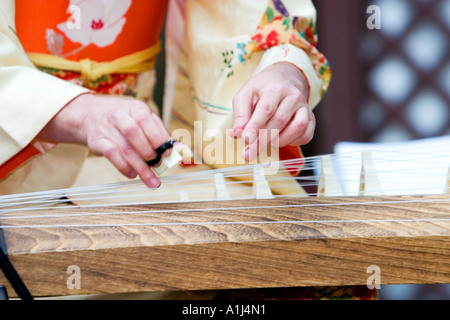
x=274, y=99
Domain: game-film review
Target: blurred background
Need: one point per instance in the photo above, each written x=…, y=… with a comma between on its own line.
x=389, y=84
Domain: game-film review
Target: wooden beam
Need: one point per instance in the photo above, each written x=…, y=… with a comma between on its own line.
x=239, y=244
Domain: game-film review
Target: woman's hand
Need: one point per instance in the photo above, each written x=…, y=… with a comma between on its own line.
x=274, y=99
x=123, y=130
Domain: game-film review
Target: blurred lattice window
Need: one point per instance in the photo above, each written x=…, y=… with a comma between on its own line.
x=407, y=68
x=388, y=84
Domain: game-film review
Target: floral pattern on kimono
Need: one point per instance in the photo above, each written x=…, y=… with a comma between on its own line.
x=104, y=21
x=279, y=27
x=93, y=24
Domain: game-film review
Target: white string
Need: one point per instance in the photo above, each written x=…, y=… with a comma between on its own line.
x=106, y=189
x=50, y=210
x=172, y=193
x=47, y=198
x=197, y=175
x=220, y=209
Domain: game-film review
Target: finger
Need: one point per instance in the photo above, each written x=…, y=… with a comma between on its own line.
x=153, y=128
x=307, y=137
x=252, y=151
x=163, y=150
x=161, y=136
x=285, y=113
x=265, y=108
x=104, y=147
x=243, y=105
x=134, y=134
x=299, y=131
x=135, y=161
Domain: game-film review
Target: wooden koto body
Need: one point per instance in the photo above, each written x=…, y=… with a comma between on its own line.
x=282, y=242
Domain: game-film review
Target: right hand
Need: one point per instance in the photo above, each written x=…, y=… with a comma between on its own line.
x=274, y=99
x=123, y=130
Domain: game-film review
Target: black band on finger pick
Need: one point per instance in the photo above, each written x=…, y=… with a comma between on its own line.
x=160, y=151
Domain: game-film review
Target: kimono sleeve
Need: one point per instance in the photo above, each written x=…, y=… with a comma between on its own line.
x=287, y=33
x=29, y=98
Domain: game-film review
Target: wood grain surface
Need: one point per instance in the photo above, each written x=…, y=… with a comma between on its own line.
x=283, y=242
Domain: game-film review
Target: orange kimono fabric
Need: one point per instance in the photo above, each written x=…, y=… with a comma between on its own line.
x=101, y=31
x=98, y=30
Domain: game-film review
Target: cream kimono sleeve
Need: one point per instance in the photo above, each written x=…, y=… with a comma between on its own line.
x=29, y=99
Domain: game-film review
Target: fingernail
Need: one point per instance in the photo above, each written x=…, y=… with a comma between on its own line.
x=155, y=183
x=133, y=174
x=246, y=153
x=167, y=153
x=250, y=137
x=236, y=132
x=249, y=154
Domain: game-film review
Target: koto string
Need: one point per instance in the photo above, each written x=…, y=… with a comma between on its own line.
x=104, y=189
x=133, y=215
x=135, y=189
x=49, y=201
x=289, y=165
x=3, y=212
x=223, y=209
x=129, y=220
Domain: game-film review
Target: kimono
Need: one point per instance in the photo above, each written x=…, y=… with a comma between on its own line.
x=109, y=47
x=205, y=68
x=48, y=63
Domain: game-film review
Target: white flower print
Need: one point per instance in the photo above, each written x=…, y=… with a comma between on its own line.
x=55, y=42
x=101, y=22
